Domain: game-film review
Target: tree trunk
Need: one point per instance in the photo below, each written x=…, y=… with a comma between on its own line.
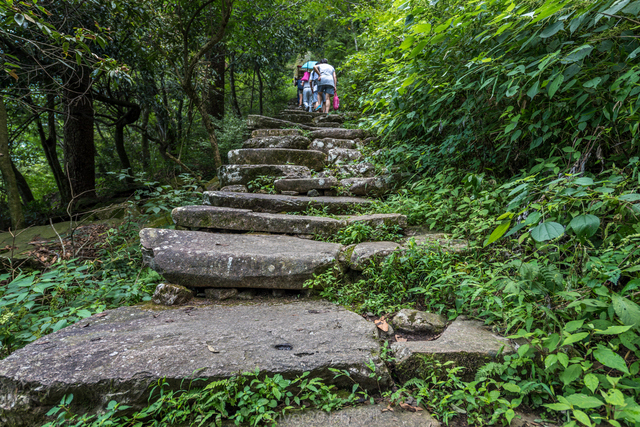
x=79, y=145
x=253, y=85
x=49, y=145
x=260, y=88
x=234, y=95
x=23, y=186
x=131, y=116
x=13, y=195
x=215, y=95
x=146, y=156
x=208, y=124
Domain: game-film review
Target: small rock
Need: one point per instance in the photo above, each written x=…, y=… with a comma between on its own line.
x=235, y=189
x=220, y=293
x=330, y=193
x=246, y=295
x=289, y=193
x=313, y=193
x=370, y=314
x=278, y=292
x=168, y=294
x=414, y=321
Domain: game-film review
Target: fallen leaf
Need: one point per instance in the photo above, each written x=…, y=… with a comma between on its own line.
x=410, y=408
x=382, y=324
x=388, y=409
x=212, y=350
x=400, y=339
x=101, y=314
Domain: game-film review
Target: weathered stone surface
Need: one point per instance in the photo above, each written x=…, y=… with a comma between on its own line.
x=426, y=237
x=364, y=253
x=211, y=260
x=119, y=356
x=337, y=133
x=343, y=155
x=374, y=186
x=247, y=220
x=263, y=122
x=361, y=416
x=280, y=203
x=169, y=294
x=220, y=294
x=243, y=174
x=278, y=156
x=259, y=133
x=292, y=141
x=297, y=117
x=235, y=189
x=377, y=220
x=419, y=322
x=313, y=193
x=330, y=125
x=302, y=185
x=289, y=193
x=328, y=118
x=327, y=144
x=466, y=342
x=364, y=169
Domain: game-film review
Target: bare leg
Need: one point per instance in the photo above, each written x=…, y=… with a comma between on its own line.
x=327, y=103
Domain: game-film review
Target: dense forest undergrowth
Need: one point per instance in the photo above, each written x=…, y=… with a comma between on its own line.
x=518, y=124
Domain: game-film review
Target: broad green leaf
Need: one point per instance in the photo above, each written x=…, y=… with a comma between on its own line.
x=585, y=226
x=533, y=90
x=629, y=197
x=591, y=382
x=571, y=374
x=557, y=406
x=593, y=82
x=533, y=218
x=548, y=9
x=407, y=43
x=512, y=91
x=614, y=330
x=563, y=359
x=584, y=181
x=422, y=28
x=555, y=85
x=552, y=30
x=582, y=417
x=550, y=360
x=633, y=8
x=583, y=401
x=575, y=338
x=615, y=397
x=416, y=51
x=608, y=358
x=498, y=232
x=547, y=231
x=513, y=388
x=577, y=54
x=19, y=18
x=627, y=310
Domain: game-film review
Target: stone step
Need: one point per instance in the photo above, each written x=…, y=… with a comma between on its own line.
x=327, y=144
x=373, y=187
x=303, y=185
x=465, y=342
x=343, y=155
x=212, y=217
x=277, y=203
x=259, y=133
x=338, y=133
x=328, y=118
x=278, y=156
x=332, y=125
x=359, y=170
x=262, y=122
x=304, y=118
x=296, y=142
x=124, y=352
x=243, y=174
x=199, y=259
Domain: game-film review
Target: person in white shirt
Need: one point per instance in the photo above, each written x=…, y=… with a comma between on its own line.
x=327, y=84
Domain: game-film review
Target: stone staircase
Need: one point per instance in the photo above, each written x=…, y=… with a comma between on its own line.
x=234, y=241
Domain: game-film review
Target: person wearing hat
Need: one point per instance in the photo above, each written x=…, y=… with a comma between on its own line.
x=327, y=84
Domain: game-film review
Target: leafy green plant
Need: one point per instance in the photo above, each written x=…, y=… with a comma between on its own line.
x=358, y=232
x=263, y=184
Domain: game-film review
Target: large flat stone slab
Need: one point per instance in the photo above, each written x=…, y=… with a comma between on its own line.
x=303, y=185
x=337, y=133
x=278, y=156
x=210, y=260
x=327, y=144
x=374, y=186
x=328, y=118
x=291, y=141
x=258, y=133
x=243, y=174
x=366, y=253
x=343, y=155
x=465, y=342
x=296, y=117
x=277, y=203
x=378, y=220
x=120, y=355
x=246, y=220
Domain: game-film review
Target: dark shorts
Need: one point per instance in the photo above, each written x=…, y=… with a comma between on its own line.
x=328, y=89
x=299, y=91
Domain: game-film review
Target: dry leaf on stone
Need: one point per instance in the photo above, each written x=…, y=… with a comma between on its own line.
x=388, y=409
x=400, y=339
x=382, y=324
x=212, y=349
x=410, y=408
x=101, y=314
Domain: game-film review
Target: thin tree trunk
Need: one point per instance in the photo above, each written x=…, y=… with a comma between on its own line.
x=49, y=145
x=146, y=156
x=23, y=186
x=234, y=95
x=253, y=85
x=260, y=88
x=13, y=194
x=215, y=86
